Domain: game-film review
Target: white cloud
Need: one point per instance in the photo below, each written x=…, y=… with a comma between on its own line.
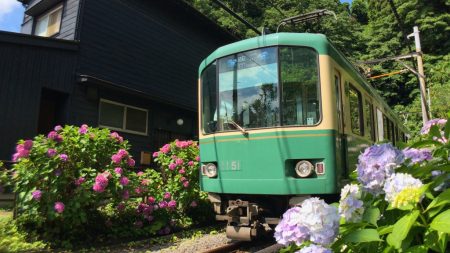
x=8, y=6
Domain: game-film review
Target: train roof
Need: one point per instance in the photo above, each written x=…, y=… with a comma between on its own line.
x=314, y=40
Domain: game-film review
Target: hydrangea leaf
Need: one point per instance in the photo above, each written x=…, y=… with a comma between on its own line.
x=417, y=249
x=441, y=222
x=363, y=235
x=385, y=229
x=371, y=215
x=441, y=199
x=401, y=229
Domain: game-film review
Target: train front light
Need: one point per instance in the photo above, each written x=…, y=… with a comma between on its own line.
x=304, y=168
x=210, y=170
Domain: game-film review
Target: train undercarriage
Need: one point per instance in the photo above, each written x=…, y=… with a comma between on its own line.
x=251, y=216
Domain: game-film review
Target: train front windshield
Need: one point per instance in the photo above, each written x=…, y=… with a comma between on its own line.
x=246, y=88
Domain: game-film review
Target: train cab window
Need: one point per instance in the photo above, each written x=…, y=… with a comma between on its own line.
x=248, y=90
x=369, y=120
x=209, y=103
x=356, y=115
x=300, y=86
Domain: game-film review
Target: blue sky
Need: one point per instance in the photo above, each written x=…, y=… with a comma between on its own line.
x=11, y=14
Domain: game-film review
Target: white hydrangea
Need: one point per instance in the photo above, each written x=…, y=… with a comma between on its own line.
x=397, y=182
x=321, y=219
x=350, y=205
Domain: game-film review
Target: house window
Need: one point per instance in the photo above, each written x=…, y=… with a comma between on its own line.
x=123, y=117
x=49, y=23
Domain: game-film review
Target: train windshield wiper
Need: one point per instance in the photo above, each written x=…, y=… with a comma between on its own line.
x=244, y=132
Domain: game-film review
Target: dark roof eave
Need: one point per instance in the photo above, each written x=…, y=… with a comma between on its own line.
x=98, y=82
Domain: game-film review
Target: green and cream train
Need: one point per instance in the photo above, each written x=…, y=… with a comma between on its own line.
x=282, y=117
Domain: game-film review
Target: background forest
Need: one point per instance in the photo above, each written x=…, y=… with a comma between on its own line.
x=365, y=30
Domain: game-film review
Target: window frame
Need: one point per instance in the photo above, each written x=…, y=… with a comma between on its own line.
x=57, y=7
x=124, y=121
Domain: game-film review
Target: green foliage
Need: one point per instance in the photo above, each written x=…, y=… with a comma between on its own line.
x=14, y=240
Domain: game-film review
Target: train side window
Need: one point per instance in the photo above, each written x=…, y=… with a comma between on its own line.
x=356, y=115
x=369, y=120
x=209, y=99
x=386, y=128
x=380, y=125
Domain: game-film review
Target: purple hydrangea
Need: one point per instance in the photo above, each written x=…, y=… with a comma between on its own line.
x=350, y=205
x=51, y=152
x=314, y=220
x=314, y=249
x=83, y=129
x=124, y=181
x=376, y=164
x=439, y=122
x=417, y=155
x=172, y=204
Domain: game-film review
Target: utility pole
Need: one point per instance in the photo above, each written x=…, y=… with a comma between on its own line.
x=423, y=91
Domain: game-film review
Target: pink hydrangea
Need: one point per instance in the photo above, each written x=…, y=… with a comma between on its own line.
x=140, y=174
x=124, y=181
x=155, y=154
x=53, y=135
x=21, y=152
x=122, y=153
x=131, y=162
x=186, y=184
x=51, y=152
x=181, y=171
x=118, y=170
x=179, y=161
x=117, y=137
x=172, y=166
x=36, y=195
x=167, y=195
x=98, y=187
x=126, y=194
x=138, y=190
x=116, y=159
x=79, y=181
x=151, y=200
x=28, y=144
x=59, y=207
x=83, y=129
x=58, y=128
x=64, y=157
x=182, y=179
x=165, y=149
x=163, y=204
x=172, y=204
x=102, y=180
x=121, y=207
x=145, y=182
x=197, y=158
x=182, y=144
x=191, y=163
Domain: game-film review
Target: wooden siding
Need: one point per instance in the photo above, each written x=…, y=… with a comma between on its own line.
x=151, y=46
x=29, y=64
x=68, y=23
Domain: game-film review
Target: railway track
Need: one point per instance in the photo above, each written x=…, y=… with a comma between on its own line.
x=247, y=247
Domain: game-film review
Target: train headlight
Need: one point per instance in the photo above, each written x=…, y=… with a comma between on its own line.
x=304, y=168
x=210, y=170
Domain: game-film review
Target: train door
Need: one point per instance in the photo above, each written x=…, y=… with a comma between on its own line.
x=341, y=140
